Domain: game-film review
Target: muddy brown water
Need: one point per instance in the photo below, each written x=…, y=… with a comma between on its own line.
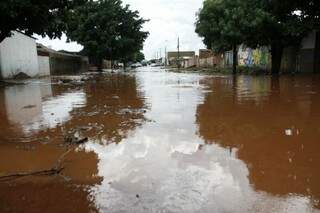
x=162, y=142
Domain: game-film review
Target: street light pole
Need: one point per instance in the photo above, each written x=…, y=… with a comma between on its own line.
x=178, y=52
x=165, y=53
x=165, y=56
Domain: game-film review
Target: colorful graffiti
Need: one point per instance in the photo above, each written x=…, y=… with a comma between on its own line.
x=245, y=56
x=259, y=57
x=253, y=57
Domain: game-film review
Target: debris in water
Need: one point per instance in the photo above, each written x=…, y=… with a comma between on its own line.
x=75, y=140
x=29, y=106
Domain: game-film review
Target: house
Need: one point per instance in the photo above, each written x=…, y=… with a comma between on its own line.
x=44, y=62
x=308, y=56
x=205, y=53
x=182, y=56
x=208, y=59
x=62, y=62
x=18, y=53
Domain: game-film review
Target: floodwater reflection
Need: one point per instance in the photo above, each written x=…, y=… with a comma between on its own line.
x=168, y=142
x=274, y=125
x=104, y=108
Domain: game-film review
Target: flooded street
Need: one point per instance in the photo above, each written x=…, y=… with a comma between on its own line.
x=162, y=142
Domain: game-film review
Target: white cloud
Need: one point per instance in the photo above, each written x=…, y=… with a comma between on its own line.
x=168, y=20
x=59, y=44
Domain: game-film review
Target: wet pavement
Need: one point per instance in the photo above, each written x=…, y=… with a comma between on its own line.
x=162, y=142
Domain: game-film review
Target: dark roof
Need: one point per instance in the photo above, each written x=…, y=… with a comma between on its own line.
x=43, y=50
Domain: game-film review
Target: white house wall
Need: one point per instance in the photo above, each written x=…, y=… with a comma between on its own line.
x=18, y=53
x=44, y=65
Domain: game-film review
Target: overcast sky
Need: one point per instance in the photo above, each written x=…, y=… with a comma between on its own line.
x=168, y=20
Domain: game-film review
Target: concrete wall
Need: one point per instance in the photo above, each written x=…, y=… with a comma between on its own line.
x=317, y=53
x=213, y=61
x=249, y=57
x=294, y=59
x=18, y=53
x=192, y=62
x=207, y=62
x=259, y=57
x=66, y=64
x=289, y=61
x=300, y=59
x=228, y=58
x=306, y=55
x=309, y=41
x=44, y=65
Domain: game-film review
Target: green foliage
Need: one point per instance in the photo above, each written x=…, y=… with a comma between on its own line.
x=256, y=22
x=226, y=23
x=310, y=11
x=108, y=30
x=276, y=23
x=45, y=17
x=138, y=57
x=281, y=25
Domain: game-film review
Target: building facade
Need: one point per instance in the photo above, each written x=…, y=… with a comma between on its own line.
x=61, y=62
x=174, y=58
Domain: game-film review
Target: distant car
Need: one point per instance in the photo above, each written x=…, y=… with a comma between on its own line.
x=144, y=63
x=158, y=64
x=136, y=65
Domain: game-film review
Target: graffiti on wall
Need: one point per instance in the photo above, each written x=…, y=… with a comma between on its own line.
x=245, y=56
x=259, y=57
x=253, y=57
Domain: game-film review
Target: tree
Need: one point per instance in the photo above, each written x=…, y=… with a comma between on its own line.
x=310, y=11
x=282, y=23
x=139, y=56
x=45, y=17
x=108, y=30
x=275, y=23
x=282, y=26
x=225, y=24
x=311, y=14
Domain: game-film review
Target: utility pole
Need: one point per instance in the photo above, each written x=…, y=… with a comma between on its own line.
x=165, y=56
x=178, y=52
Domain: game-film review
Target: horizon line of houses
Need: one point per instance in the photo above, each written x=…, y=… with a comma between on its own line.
x=305, y=59
x=21, y=54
